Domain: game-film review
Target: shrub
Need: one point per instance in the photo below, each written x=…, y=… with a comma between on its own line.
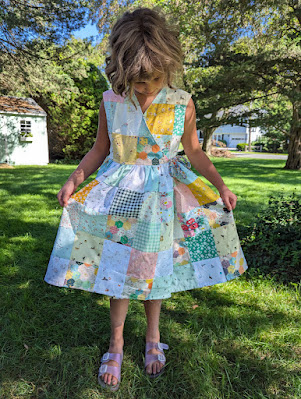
x=65, y=161
x=241, y=146
x=272, y=247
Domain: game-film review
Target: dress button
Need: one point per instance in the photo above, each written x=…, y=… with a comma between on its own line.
x=155, y=161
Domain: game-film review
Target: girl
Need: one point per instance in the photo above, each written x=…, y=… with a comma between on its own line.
x=146, y=226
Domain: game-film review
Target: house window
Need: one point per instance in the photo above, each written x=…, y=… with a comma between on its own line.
x=25, y=127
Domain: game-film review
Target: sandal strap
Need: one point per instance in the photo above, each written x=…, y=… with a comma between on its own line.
x=150, y=358
x=153, y=358
x=114, y=370
x=117, y=357
x=157, y=345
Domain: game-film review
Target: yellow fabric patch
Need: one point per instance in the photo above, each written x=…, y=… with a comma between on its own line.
x=226, y=239
x=87, y=248
x=160, y=118
x=124, y=148
x=202, y=192
x=81, y=195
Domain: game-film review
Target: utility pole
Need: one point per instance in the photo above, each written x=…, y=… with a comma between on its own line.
x=250, y=148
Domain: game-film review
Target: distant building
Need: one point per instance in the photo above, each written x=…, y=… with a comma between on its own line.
x=23, y=132
x=235, y=134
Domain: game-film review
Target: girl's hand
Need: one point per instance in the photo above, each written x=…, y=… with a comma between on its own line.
x=229, y=198
x=65, y=192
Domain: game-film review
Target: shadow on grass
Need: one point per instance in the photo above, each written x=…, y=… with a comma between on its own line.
x=52, y=338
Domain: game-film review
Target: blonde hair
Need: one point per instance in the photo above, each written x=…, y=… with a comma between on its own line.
x=142, y=44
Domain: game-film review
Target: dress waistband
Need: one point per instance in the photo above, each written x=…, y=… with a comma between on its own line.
x=171, y=161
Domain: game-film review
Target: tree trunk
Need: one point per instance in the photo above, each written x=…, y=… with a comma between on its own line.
x=294, y=148
x=208, y=132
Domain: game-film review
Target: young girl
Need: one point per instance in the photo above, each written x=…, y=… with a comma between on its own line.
x=147, y=225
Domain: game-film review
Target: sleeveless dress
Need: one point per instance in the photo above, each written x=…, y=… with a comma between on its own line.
x=147, y=225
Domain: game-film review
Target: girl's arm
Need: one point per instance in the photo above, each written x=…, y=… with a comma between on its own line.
x=91, y=161
x=199, y=159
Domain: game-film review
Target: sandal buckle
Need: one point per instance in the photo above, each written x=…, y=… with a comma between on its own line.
x=105, y=356
x=161, y=358
x=162, y=346
x=103, y=368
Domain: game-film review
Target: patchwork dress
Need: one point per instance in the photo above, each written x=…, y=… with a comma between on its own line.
x=147, y=225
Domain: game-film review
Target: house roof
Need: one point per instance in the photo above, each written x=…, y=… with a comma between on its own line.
x=20, y=105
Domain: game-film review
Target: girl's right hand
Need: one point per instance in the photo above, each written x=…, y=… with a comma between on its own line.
x=65, y=192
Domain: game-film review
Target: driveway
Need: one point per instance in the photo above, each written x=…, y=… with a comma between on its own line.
x=261, y=155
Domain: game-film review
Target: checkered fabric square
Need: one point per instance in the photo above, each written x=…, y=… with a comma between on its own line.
x=126, y=203
x=147, y=237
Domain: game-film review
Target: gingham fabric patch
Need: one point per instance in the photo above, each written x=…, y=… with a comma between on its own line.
x=147, y=226
x=126, y=203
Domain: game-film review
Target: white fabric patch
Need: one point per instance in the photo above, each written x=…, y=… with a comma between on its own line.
x=127, y=120
x=56, y=271
x=112, y=268
x=164, y=266
x=134, y=180
x=209, y=271
x=100, y=198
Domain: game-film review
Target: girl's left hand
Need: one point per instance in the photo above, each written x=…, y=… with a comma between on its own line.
x=229, y=198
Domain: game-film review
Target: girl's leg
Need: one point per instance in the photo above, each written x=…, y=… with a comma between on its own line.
x=152, y=311
x=118, y=311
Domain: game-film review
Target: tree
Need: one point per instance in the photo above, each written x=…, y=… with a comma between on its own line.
x=29, y=27
x=236, y=52
x=72, y=101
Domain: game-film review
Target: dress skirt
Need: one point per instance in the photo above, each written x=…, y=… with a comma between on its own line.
x=144, y=232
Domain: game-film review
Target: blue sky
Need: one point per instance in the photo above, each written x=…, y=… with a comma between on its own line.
x=88, y=30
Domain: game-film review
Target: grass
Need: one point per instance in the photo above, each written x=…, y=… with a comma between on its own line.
x=239, y=340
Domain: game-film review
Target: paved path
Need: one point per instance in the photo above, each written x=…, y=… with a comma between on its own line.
x=260, y=155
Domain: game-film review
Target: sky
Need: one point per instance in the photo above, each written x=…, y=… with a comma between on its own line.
x=88, y=30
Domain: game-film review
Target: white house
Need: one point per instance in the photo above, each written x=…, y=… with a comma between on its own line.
x=23, y=132
x=235, y=134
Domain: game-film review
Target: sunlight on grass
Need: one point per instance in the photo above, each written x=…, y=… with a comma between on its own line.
x=236, y=340
x=54, y=352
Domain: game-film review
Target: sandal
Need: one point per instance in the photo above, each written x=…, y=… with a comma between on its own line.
x=114, y=370
x=150, y=358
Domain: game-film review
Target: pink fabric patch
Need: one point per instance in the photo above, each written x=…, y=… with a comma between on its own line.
x=142, y=265
x=185, y=200
x=109, y=95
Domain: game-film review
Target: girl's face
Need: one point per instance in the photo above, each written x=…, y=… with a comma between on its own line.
x=150, y=87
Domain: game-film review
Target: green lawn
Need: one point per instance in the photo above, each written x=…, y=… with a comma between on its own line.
x=237, y=340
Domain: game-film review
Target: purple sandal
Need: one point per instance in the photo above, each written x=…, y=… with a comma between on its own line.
x=150, y=358
x=114, y=370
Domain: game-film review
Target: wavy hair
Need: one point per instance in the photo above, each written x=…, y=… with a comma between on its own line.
x=141, y=44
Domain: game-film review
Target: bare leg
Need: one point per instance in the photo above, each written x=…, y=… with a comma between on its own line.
x=118, y=311
x=152, y=311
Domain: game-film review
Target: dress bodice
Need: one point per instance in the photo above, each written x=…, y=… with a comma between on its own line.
x=148, y=138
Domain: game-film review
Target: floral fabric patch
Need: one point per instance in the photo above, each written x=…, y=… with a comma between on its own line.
x=81, y=195
x=121, y=229
x=202, y=246
x=147, y=225
x=160, y=118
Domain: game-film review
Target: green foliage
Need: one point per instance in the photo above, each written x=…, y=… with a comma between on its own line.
x=273, y=247
x=70, y=91
x=241, y=146
x=66, y=161
x=77, y=119
x=239, y=53
x=272, y=143
x=23, y=22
